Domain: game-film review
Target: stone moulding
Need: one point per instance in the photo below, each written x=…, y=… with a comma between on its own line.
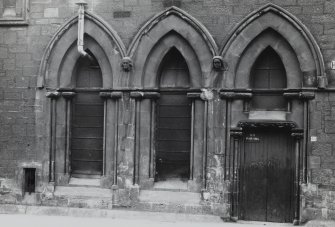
x=302, y=35
x=266, y=123
x=184, y=16
x=60, y=32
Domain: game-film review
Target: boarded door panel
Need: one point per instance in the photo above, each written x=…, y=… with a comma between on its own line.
x=280, y=171
x=254, y=187
x=87, y=135
x=267, y=176
x=173, y=135
x=87, y=122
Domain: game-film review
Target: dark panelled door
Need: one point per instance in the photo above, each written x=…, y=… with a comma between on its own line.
x=87, y=125
x=267, y=174
x=173, y=136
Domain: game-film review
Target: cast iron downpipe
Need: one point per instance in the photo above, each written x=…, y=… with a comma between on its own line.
x=80, y=42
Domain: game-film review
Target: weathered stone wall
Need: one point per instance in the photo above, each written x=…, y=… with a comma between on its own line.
x=22, y=47
x=319, y=194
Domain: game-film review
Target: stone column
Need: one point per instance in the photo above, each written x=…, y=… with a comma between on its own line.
x=68, y=113
x=110, y=150
x=298, y=136
x=52, y=133
x=139, y=96
x=236, y=134
x=229, y=96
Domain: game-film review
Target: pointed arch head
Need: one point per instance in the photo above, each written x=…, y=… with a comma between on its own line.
x=279, y=29
x=189, y=34
x=61, y=55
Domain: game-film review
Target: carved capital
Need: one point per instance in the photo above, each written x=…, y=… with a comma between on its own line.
x=144, y=95
x=53, y=94
x=116, y=95
x=235, y=95
x=291, y=95
x=206, y=94
x=193, y=95
x=105, y=95
x=68, y=94
x=306, y=95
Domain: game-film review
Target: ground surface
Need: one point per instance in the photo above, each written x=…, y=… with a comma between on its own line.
x=43, y=216
x=15, y=220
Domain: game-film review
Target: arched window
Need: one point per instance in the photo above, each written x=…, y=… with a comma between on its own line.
x=87, y=121
x=173, y=121
x=268, y=79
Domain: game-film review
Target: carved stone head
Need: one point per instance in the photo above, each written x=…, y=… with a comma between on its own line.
x=219, y=64
x=126, y=64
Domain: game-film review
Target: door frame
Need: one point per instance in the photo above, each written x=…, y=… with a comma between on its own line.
x=235, y=161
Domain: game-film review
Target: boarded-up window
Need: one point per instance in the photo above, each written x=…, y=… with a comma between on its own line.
x=268, y=79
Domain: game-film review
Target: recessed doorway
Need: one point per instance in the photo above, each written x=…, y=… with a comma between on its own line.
x=267, y=175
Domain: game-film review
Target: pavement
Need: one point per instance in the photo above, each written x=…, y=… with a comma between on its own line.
x=44, y=216
x=19, y=220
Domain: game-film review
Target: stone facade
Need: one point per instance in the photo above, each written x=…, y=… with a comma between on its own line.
x=129, y=38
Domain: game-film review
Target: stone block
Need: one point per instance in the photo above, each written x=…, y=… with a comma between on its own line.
x=10, y=37
x=322, y=176
x=330, y=126
x=3, y=52
x=310, y=2
x=130, y=2
x=51, y=12
x=314, y=9
x=12, y=209
x=328, y=163
x=322, y=149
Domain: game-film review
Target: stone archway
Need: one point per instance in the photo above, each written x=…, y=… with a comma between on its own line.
x=171, y=29
x=58, y=88
x=269, y=27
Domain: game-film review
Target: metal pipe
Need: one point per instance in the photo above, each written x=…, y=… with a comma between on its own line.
x=81, y=24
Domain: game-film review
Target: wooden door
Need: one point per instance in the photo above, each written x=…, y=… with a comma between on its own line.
x=87, y=123
x=267, y=175
x=173, y=136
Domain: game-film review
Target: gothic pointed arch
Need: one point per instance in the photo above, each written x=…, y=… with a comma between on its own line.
x=287, y=32
x=173, y=25
x=268, y=39
x=61, y=55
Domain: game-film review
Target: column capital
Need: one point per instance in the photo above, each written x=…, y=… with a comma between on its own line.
x=52, y=94
x=236, y=132
x=297, y=133
x=235, y=95
x=144, y=95
x=68, y=94
x=194, y=95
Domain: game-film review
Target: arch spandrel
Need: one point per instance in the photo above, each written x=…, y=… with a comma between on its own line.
x=300, y=40
x=60, y=45
x=150, y=36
